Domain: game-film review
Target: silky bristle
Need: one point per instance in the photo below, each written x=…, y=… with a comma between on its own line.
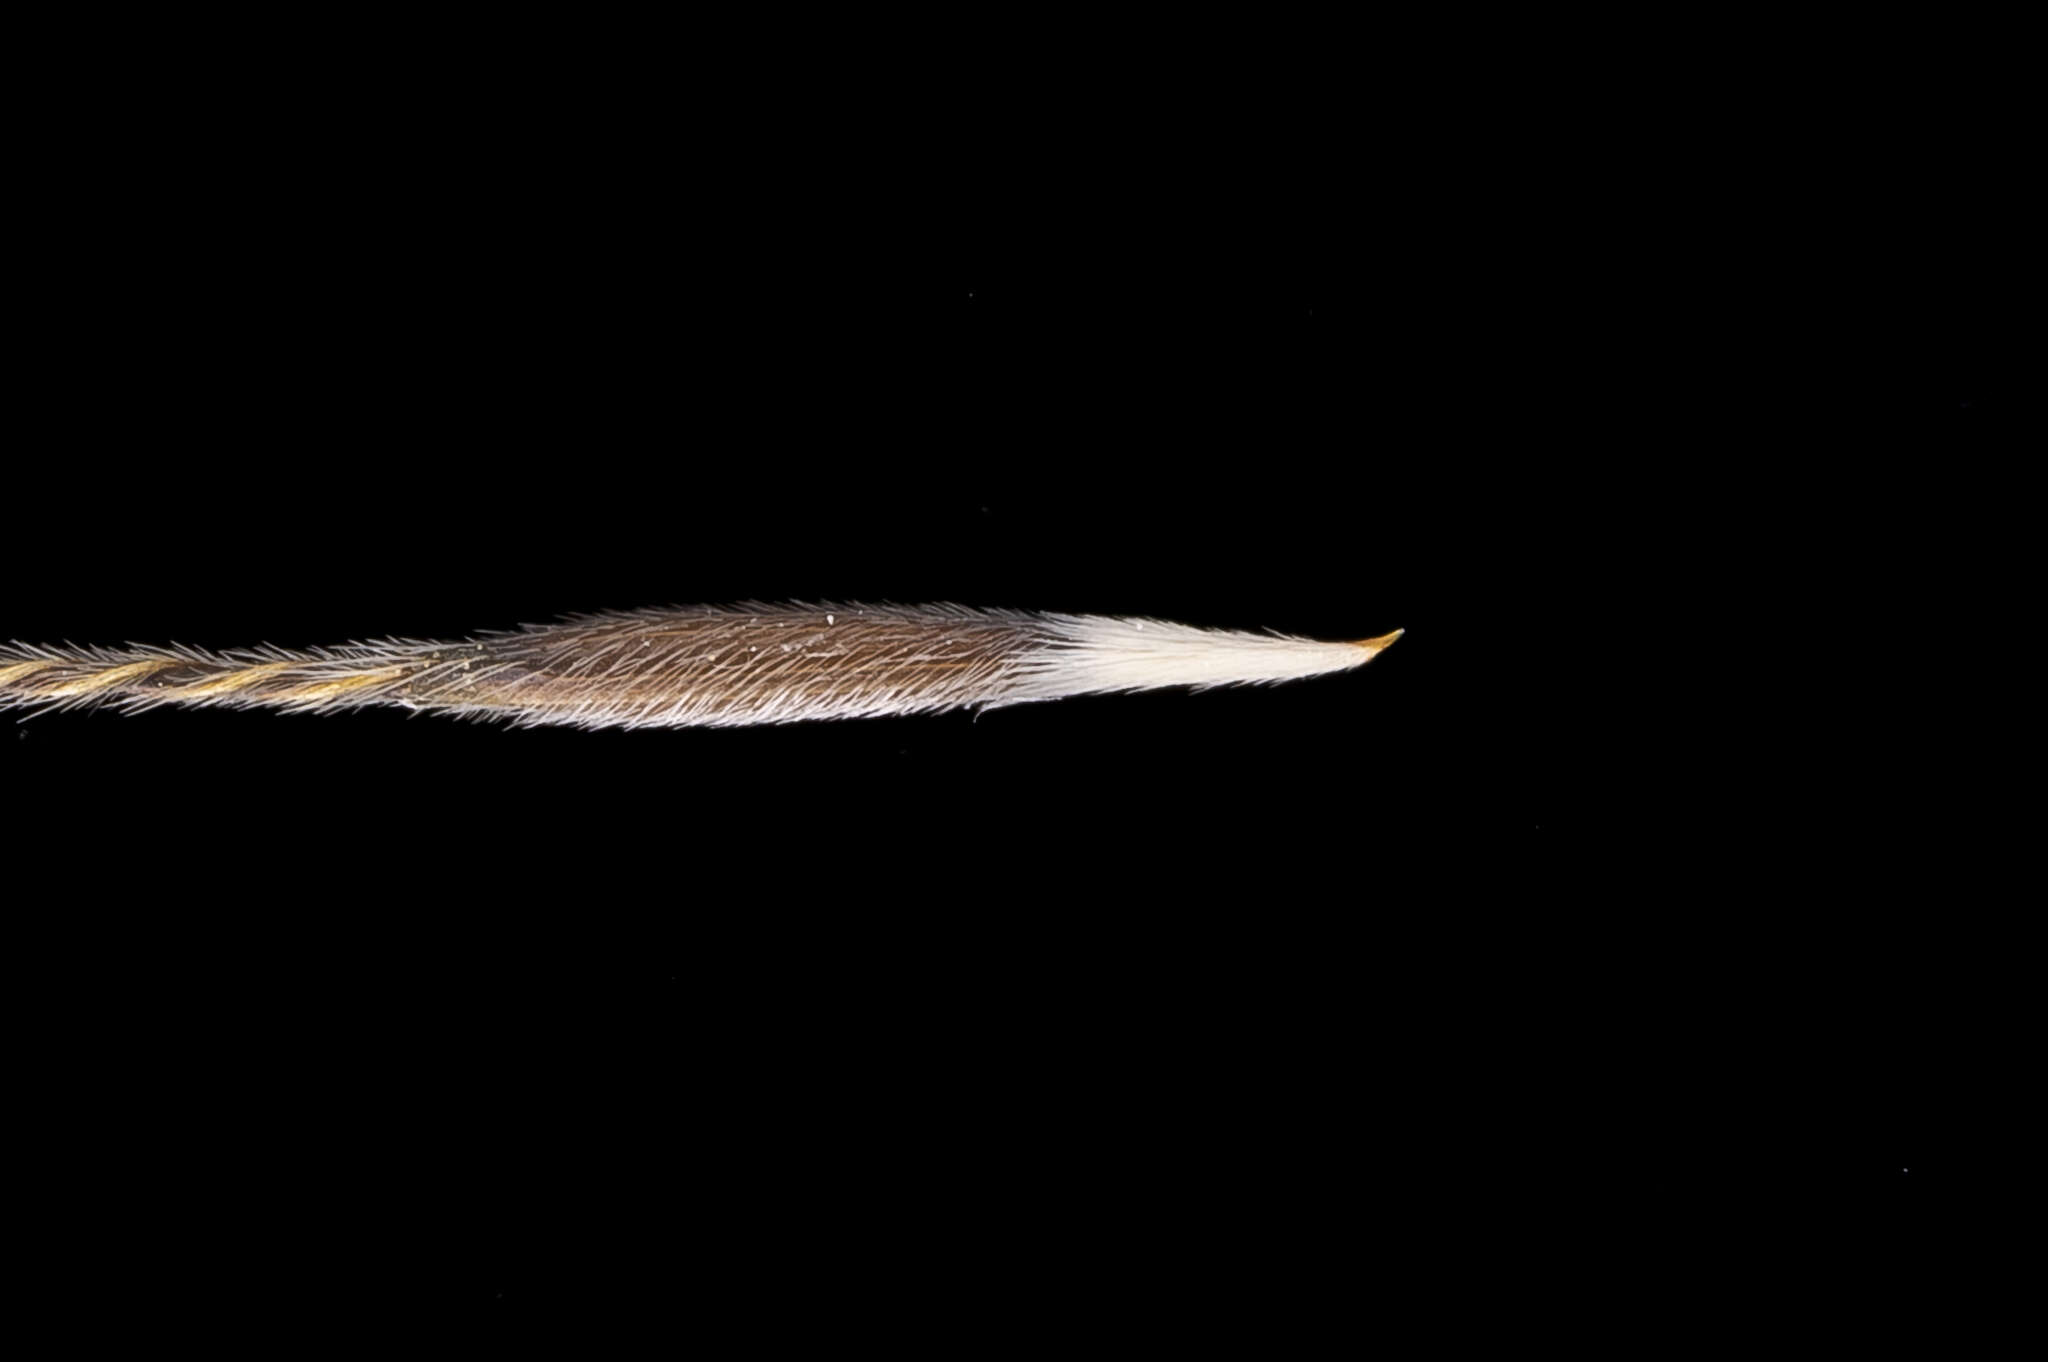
x=1096, y=653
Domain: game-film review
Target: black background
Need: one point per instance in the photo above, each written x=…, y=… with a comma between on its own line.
x=1310, y=999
